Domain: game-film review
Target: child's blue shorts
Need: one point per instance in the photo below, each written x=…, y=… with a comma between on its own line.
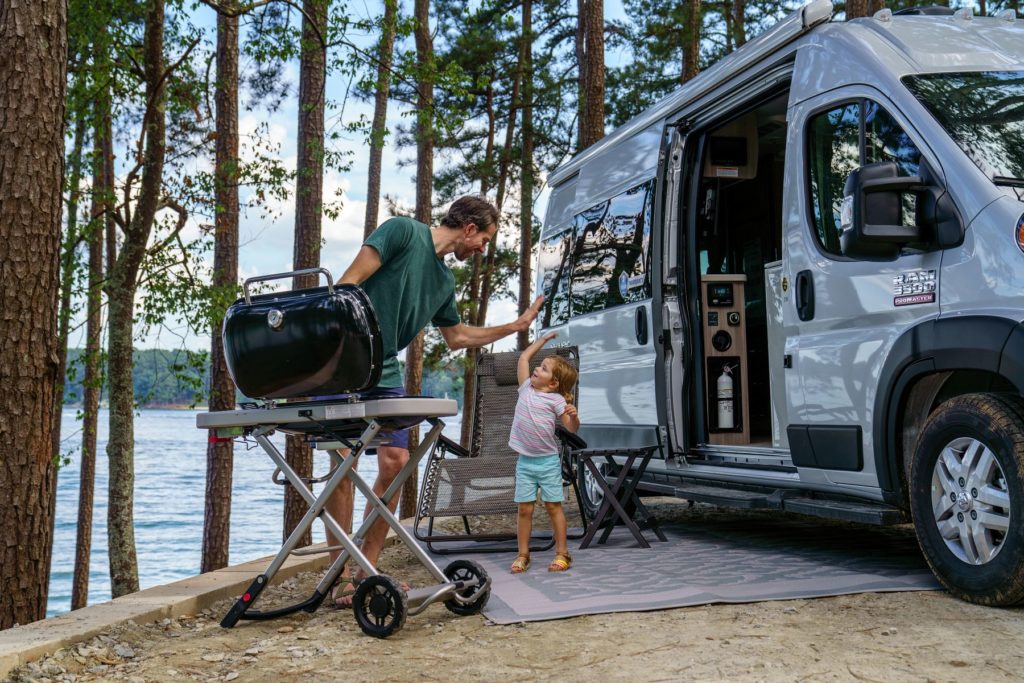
x=539, y=471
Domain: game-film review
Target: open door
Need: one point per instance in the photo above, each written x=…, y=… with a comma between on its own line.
x=674, y=347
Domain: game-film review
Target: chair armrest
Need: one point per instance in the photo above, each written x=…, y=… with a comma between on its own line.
x=446, y=446
x=573, y=441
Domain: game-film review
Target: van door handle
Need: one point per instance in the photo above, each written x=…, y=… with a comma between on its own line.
x=805, y=295
x=640, y=326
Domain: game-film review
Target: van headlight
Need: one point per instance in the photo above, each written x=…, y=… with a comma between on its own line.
x=1020, y=233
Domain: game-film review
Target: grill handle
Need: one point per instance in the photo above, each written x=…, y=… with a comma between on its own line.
x=279, y=276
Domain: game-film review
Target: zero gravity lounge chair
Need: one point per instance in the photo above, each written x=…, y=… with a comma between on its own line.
x=480, y=481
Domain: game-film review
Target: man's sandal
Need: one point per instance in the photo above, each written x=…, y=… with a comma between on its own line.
x=521, y=564
x=341, y=597
x=561, y=563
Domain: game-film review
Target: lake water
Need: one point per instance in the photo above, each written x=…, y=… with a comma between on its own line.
x=170, y=489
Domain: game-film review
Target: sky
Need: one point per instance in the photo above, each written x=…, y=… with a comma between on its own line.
x=266, y=243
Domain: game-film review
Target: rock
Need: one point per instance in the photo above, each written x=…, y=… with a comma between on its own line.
x=232, y=675
x=124, y=651
x=52, y=669
x=136, y=679
x=252, y=651
x=214, y=657
x=286, y=629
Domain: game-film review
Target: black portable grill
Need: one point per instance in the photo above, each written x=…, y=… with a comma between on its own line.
x=327, y=341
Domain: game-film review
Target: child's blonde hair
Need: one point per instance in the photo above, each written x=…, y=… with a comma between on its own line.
x=565, y=374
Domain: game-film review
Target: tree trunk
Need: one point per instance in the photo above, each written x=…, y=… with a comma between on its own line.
x=220, y=453
x=591, y=64
x=526, y=185
x=68, y=266
x=424, y=206
x=121, y=286
x=487, y=275
x=308, y=205
x=856, y=8
x=739, y=22
x=102, y=192
x=33, y=64
x=380, y=112
x=691, y=51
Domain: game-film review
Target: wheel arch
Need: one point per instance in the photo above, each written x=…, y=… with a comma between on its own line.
x=928, y=364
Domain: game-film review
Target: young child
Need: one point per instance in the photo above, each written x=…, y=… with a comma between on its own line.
x=544, y=397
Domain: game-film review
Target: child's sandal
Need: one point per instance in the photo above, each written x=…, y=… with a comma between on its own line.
x=561, y=563
x=521, y=564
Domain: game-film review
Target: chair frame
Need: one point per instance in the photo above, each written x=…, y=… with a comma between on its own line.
x=448, y=450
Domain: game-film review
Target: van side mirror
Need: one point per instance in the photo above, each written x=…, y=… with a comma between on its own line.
x=873, y=208
x=877, y=200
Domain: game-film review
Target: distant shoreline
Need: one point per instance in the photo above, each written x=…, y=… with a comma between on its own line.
x=148, y=406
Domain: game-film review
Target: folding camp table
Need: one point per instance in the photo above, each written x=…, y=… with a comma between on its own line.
x=619, y=493
x=380, y=605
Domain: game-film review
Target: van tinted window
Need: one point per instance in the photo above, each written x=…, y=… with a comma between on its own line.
x=839, y=144
x=554, y=277
x=611, y=246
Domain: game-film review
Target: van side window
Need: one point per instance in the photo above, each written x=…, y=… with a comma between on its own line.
x=611, y=262
x=838, y=144
x=554, y=277
x=834, y=151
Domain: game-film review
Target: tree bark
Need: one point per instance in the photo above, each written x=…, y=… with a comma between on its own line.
x=380, y=112
x=590, y=53
x=691, y=51
x=739, y=22
x=856, y=8
x=526, y=184
x=424, y=207
x=99, y=214
x=68, y=265
x=33, y=63
x=121, y=287
x=220, y=453
x=308, y=206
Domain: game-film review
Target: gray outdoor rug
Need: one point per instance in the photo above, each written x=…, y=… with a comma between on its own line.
x=707, y=561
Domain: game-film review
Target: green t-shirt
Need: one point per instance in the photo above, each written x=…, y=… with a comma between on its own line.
x=412, y=287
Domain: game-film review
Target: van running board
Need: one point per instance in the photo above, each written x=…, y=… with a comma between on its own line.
x=863, y=512
x=847, y=510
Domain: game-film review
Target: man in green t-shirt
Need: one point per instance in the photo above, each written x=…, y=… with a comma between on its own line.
x=401, y=268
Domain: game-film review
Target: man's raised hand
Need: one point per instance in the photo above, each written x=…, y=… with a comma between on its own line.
x=524, y=321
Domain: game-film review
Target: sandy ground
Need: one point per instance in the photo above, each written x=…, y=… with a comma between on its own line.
x=923, y=636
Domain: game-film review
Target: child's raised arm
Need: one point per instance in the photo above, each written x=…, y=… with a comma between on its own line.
x=570, y=418
x=523, y=367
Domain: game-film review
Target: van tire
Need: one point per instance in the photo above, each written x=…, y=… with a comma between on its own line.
x=988, y=430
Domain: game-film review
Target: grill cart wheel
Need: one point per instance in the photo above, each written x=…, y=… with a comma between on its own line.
x=467, y=570
x=380, y=606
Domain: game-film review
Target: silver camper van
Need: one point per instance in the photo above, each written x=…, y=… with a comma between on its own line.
x=801, y=276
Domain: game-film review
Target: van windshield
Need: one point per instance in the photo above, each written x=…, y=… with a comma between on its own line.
x=983, y=111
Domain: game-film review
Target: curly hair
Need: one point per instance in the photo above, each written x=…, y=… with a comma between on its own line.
x=471, y=209
x=565, y=374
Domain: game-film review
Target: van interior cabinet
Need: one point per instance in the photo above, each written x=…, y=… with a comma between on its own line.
x=725, y=354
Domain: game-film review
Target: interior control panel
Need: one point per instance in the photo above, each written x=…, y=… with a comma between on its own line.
x=725, y=359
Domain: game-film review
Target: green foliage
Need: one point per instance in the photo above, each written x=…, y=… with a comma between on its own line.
x=162, y=377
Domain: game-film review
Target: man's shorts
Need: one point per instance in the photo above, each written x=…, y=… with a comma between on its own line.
x=396, y=439
x=539, y=471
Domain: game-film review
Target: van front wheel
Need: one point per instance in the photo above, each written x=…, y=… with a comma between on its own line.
x=967, y=497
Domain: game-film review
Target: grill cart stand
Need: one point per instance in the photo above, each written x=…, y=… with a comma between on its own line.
x=380, y=605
